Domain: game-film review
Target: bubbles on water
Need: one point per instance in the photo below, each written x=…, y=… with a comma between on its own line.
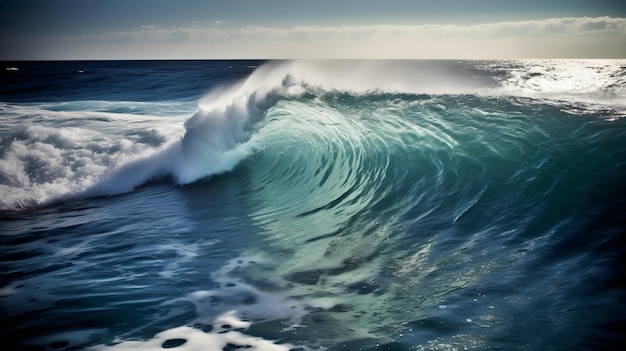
x=186, y=338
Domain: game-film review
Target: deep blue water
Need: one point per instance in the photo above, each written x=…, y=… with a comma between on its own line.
x=337, y=205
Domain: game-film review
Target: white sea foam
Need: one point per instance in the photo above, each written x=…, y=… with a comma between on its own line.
x=241, y=301
x=229, y=311
x=591, y=81
x=189, y=339
x=54, y=155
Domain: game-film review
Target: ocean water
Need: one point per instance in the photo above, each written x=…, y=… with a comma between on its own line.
x=313, y=205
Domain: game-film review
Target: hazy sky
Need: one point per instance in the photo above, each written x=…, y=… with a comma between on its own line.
x=188, y=29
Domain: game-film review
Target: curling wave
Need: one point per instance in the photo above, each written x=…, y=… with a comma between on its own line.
x=65, y=151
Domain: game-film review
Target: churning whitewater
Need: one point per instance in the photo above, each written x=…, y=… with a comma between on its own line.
x=336, y=205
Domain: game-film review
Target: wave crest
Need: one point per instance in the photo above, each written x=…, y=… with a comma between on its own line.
x=48, y=163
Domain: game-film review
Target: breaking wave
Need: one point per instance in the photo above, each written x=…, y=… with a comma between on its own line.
x=81, y=149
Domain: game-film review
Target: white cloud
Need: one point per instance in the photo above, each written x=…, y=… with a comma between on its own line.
x=554, y=37
x=540, y=28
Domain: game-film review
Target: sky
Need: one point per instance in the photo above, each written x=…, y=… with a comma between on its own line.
x=313, y=29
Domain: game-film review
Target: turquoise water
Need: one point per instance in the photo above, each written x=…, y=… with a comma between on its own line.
x=374, y=205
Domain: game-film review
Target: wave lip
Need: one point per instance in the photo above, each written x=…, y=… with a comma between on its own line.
x=111, y=153
x=214, y=134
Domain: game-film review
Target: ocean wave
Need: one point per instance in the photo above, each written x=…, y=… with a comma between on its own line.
x=388, y=203
x=85, y=149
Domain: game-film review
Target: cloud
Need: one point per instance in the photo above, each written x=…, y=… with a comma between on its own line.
x=540, y=28
x=574, y=36
x=537, y=28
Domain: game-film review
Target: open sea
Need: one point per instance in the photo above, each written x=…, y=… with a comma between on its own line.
x=313, y=205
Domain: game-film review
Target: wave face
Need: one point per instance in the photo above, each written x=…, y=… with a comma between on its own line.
x=338, y=205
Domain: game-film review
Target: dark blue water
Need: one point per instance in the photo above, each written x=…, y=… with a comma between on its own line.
x=351, y=205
